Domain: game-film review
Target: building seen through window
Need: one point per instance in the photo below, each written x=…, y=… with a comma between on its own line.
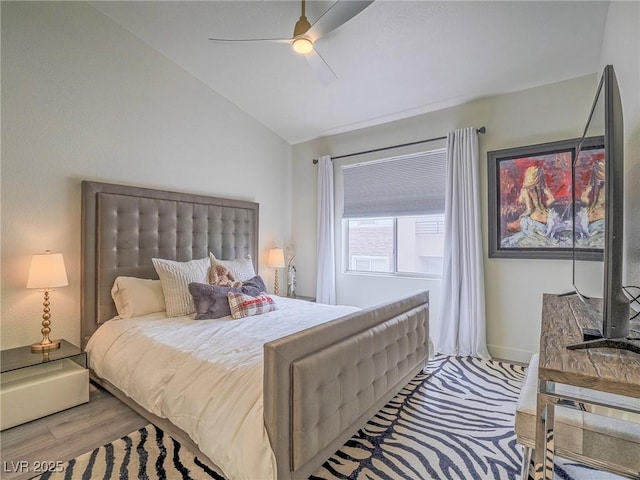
x=411, y=244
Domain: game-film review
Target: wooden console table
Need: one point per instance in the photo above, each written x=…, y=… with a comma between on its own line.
x=603, y=369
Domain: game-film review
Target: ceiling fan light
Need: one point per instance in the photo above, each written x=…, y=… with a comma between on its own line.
x=302, y=46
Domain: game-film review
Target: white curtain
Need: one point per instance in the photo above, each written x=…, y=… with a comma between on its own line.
x=461, y=326
x=326, y=276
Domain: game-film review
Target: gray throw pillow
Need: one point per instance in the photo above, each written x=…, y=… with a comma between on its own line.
x=211, y=301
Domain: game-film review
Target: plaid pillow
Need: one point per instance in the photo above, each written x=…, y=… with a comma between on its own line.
x=245, y=305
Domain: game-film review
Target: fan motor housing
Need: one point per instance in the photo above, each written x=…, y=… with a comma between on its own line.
x=302, y=26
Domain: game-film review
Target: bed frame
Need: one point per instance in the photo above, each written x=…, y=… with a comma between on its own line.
x=320, y=385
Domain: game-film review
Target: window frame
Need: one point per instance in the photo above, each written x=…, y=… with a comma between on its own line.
x=346, y=270
x=341, y=222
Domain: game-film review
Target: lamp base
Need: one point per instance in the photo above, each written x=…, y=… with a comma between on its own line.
x=275, y=282
x=43, y=347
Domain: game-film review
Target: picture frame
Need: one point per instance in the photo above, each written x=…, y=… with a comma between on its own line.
x=531, y=200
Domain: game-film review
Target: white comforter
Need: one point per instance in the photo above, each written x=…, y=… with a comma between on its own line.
x=204, y=376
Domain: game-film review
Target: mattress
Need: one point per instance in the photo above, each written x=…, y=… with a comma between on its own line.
x=205, y=376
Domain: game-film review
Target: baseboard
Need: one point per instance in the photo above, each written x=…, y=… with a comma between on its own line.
x=510, y=354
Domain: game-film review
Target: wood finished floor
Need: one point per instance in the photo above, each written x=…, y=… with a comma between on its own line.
x=67, y=434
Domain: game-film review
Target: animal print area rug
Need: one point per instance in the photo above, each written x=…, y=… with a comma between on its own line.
x=453, y=422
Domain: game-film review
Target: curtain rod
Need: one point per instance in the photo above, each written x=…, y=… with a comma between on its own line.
x=481, y=130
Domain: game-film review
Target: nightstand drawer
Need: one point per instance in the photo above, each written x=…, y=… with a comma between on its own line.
x=30, y=393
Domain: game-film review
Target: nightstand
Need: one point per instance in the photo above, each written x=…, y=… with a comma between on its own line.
x=302, y=297
x=33, y=385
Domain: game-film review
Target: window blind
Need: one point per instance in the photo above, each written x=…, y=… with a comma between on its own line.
x=400, y=186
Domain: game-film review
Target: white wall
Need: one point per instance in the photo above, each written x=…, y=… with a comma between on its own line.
x=82, y=98
x=621, y=48
x=513, y=287
x=549, y=113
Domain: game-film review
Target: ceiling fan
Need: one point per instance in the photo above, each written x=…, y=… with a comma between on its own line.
x=305, y=35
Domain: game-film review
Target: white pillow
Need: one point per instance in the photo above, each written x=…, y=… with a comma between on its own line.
x=135, y=297
x=242, y=268
x=175, y=278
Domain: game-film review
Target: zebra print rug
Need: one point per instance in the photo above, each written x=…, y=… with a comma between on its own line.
x=453, y=422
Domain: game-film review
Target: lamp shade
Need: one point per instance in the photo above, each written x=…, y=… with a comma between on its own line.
x=276, y=258
x=47, y=271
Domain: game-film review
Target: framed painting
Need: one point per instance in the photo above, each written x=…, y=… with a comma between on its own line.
x=531, y=199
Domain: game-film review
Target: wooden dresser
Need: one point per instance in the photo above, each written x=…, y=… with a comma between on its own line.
x=616, y=372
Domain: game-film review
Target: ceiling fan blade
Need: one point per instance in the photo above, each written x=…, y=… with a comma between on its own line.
x=321, y=68
x=249, y=40
x=340, y=12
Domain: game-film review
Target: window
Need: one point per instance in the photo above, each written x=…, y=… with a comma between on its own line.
x=394, y=214
x=371, y=244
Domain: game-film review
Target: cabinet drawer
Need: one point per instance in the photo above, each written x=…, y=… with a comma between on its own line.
x=40, y=390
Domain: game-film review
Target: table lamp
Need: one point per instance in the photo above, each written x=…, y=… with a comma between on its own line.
x=275, y=260
x=47, y=271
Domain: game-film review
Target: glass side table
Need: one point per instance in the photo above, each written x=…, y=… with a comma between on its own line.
x=35, y=384
x=22, y=357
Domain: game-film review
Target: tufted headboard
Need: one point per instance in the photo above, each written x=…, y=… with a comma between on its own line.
x=124, y=227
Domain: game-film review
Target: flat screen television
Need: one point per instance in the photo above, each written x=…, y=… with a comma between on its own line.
x=598, y=198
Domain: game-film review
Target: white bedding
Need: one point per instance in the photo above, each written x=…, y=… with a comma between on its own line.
x=205, y=376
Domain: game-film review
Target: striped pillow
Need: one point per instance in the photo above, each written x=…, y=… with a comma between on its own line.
x=175, y=278
x=245, y=305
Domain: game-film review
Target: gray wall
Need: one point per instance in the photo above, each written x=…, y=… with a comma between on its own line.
x=82, y=98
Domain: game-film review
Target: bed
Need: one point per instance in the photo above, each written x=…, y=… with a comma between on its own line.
x=319, y=384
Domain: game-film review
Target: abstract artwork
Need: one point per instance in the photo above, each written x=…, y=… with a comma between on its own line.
x=531, y=200
x=589, y=185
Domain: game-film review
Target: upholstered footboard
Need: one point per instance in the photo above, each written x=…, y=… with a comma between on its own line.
x=323, y=384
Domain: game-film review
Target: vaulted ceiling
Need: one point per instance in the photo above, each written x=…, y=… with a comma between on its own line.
x=393, y=60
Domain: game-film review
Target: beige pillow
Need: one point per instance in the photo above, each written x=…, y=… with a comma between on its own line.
x=135, y=297
x=175, y=278
x=242, y=268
